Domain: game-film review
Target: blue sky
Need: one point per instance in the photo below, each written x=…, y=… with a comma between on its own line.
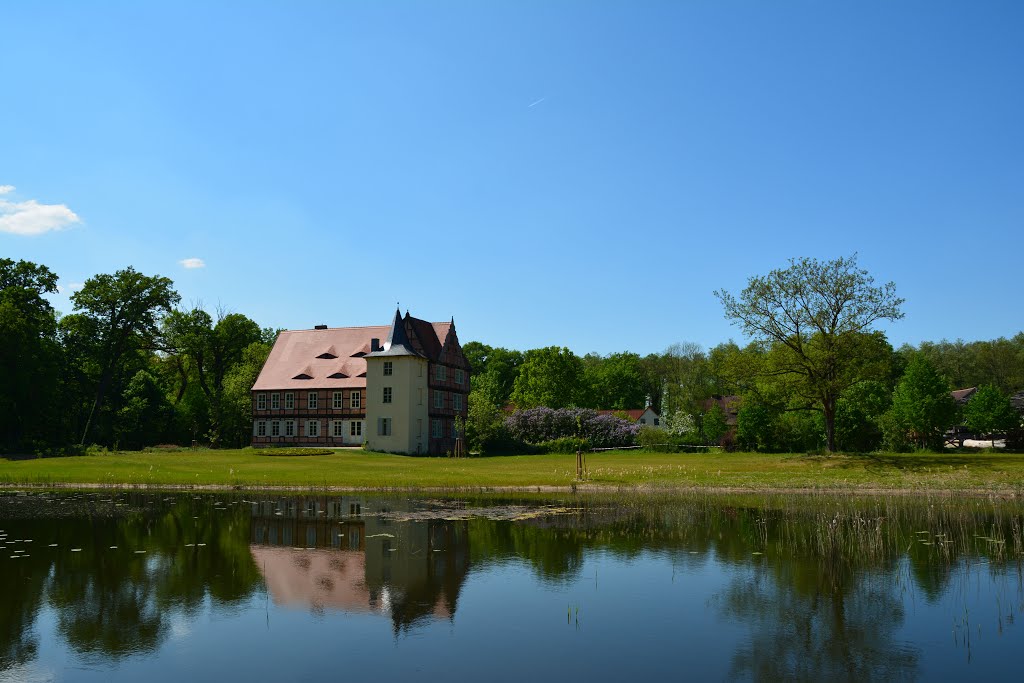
x=573, y=173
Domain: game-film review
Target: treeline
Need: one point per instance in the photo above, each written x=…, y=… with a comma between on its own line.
x=127, y=368
x=898, y=398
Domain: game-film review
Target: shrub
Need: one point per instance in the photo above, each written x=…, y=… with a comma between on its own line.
x=656, y=439
x=539, y=425
x=568, y=444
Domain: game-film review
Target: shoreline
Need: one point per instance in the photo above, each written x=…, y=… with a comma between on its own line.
x=868, y=491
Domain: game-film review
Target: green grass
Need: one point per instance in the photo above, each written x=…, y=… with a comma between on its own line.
x=358, y=469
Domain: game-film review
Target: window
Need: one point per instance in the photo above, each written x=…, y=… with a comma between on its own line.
x=435, y=428
x=389, y=368
x=354, y=400
x=261, y=401
x=338, y=428
x=457, y=400
x=311, y=400
x=383, y=426
x=275, y=428
x=458, y=376
x=643, y=420
x=439, y=399
x=312, y=427
x=387, y=394
x=657, y=422
x=261, y=428
x=441, y=373
x=356, y=428
x=275, y=401
x=289, y=401
x=338, y=400
x=289, y=427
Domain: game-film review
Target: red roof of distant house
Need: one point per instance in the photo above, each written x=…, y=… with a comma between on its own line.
x=296, y=355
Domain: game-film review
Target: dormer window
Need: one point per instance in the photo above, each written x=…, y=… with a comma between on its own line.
x=327, y=354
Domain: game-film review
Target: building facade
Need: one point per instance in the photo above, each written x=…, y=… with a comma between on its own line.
x=398, y=388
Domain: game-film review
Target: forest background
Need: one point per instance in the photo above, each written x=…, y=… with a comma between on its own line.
x=130, y=368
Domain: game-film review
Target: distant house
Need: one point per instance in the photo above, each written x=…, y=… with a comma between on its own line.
x=646, y=416
x=962, y=396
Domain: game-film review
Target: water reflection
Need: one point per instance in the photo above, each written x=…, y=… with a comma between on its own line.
x=348, y=554
x=805, y=589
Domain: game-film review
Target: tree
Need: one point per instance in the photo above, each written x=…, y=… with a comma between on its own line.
x=485, y=425
x=615, y=381
x=714, y=424
x=29, y=353
x=989, y=411
x=237, y=400
x=494, y=370
x=817, y=314
x=551, y=377
x=124, y=310
x=922, y=407
x=210, y=350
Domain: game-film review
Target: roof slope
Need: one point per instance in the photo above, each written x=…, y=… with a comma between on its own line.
x=296, y=352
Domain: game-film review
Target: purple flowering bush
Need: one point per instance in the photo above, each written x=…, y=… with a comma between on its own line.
x=539, y=425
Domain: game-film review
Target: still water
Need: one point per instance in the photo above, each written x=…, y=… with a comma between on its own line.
x=186, y=587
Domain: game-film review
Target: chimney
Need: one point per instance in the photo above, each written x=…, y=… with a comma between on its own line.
x=320, y=327
x=375, y=345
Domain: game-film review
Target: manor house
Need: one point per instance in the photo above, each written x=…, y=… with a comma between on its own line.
x=343, y=386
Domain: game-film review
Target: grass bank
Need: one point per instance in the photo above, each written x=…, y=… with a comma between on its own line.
x=981, y=472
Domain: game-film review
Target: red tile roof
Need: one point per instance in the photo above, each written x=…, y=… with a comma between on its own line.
x=296, y=352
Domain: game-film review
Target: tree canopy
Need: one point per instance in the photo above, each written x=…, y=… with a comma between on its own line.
x=815, y=315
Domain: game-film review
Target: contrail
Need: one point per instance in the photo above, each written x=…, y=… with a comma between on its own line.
x=536, y=103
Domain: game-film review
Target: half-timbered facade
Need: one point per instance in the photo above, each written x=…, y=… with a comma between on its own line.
x=398, y=388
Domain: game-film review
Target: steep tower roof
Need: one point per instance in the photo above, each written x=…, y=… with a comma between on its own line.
x=398, y=343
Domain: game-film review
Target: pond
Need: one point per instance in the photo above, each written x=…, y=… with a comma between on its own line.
x=106, y=586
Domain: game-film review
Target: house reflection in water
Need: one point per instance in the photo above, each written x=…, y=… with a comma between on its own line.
x=341, y=554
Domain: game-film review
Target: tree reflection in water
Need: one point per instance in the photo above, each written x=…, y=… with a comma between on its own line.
x=817, y=583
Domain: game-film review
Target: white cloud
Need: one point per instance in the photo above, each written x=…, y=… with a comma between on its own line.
x=193, y=262
x=32, y=218
x=70, y=287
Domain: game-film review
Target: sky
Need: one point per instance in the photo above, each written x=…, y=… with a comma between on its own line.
x=582, y=174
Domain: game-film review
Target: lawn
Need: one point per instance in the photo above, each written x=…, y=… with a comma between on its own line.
x=976, y=472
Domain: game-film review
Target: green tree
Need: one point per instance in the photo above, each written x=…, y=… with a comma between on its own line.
x=614, y=382
x=124, y=312
x=816, y=313
x=146, y=416
x=206, y=352
x=29, y=354
x=922, y=407
x=989, y=411
x=485, y=425
x=714, y=425
x=237, y=398
x=551, y=377
x=497, y=373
